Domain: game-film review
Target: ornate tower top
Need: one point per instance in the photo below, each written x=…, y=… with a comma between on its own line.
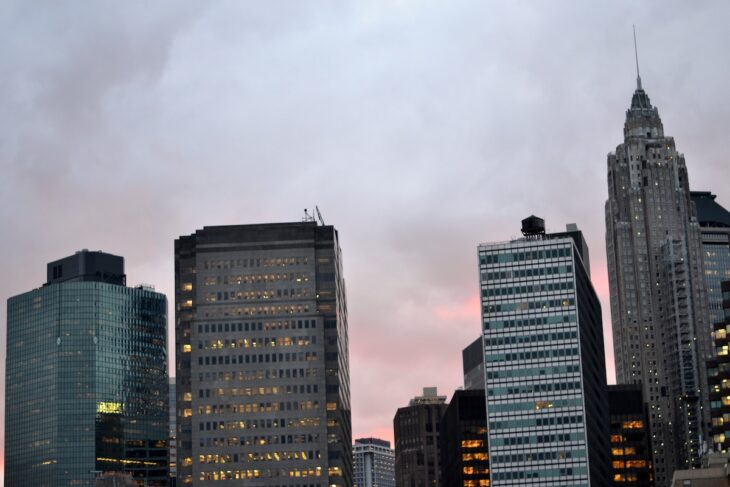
x=642, y=119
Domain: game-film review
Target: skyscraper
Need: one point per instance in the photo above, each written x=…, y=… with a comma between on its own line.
x=659, y=308
x=547, y=409
x=715, y=228
x=463, y=440
x=416, y=431
x=630, y=447
x=86, y=378
x=373, y=463
x=719, y=377
x=262, y=373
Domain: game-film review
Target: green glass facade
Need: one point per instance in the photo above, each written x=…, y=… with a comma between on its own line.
x=86, y=385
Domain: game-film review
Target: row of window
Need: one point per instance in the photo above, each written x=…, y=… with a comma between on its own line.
x=538, y=474
x=530, y=339
x=524, y=273
x=260, y=440
x=540, y=387
x=257, y=326
x=260, y=342
x=263, y=407
x=535, y=405
x=536, y=371
x=251, y=375
x=255, y=262
x=536, y=422
x=305, y=422
x=275, y=456
x=259, y=391
x=528, y=289
x=495, y=257
x=257, y=474
x=532, y=355
x=529, y=305
x=260, y=358
x=256, y=295
x=532, y=321
x=543, y=456
x=227, y=280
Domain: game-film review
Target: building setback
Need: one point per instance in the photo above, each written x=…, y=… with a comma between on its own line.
x=262, y=373
x=718, y=372
x=463, y=437
x=86, y=378
x=715, y=228
x=416, y=431
x=472, y=358
x=630, y=445
x=373, y=463
x=544, y=361
x=659, y=307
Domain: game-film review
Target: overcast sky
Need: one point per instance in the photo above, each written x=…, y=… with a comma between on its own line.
x=420, y=128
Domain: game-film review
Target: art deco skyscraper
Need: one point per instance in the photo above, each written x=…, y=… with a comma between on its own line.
x=262, y=370
x=659, y=308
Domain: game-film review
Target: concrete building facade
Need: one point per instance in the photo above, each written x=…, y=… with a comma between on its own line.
x=416, y=431
x=262, y=372
x=373, y=463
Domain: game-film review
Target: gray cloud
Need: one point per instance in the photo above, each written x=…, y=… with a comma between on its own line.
x=420, y=129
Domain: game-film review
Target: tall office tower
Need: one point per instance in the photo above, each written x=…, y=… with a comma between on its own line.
x=373, y=463
x=86, y=378
x=715, y=227
x=262, y=373
x=659, y=308
x=630, y=446
x=172, y=444
x=544, y=361
x=416, y=431
x=472, y=358
x=463, y=437
x=718, y=371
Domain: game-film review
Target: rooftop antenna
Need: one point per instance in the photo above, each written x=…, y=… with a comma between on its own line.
x=636, y=54
x=307, y=217
x=319, y=215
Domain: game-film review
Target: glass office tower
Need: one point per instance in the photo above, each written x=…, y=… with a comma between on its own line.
x=86, y=378
x=545, y=374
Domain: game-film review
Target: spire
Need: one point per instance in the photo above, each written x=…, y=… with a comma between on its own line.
x=636, y=54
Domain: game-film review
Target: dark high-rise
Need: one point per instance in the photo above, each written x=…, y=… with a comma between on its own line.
x=86, y=378
x=715, y=229
x=718, y=372
x=630, y=446
x=659, y=307
x=262, y=372
x=416, y=431
x=463, y=441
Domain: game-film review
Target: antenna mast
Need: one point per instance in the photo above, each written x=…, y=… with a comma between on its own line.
x=636, y=55
x=319, y=215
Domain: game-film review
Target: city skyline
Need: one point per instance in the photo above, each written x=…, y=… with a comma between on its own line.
x=438, y=137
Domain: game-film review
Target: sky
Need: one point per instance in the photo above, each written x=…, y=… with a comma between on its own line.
x=419, y=129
